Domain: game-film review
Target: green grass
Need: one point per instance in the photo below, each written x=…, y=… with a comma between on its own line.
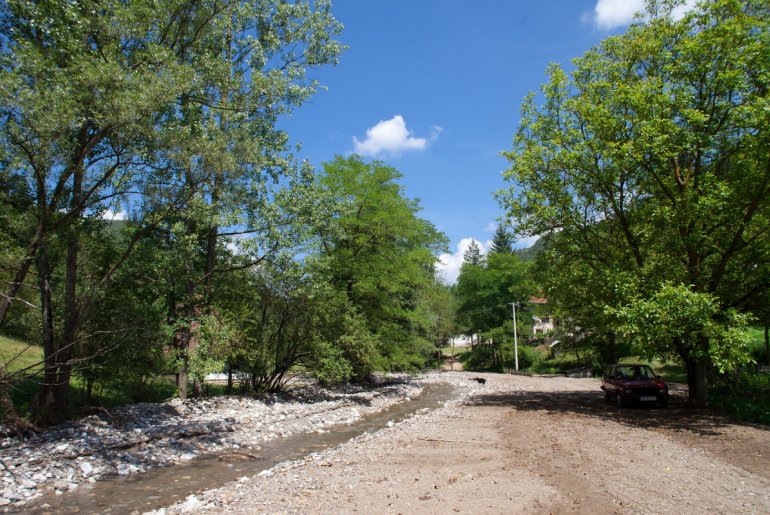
x=758, y=350
x=18, y=355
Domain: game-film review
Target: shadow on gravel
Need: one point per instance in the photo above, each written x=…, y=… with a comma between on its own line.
x=677, y=417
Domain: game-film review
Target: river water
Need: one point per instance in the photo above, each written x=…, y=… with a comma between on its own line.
x=164, y=486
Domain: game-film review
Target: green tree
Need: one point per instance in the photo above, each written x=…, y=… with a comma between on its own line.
x=502, y=241
x=472, y=254
x=248, y=188
x=652, y=162
x=484, y=292
x=81, y=87
x=172, y=118
x=380, y=254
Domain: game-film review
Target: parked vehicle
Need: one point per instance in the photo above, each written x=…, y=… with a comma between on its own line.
x=633, y=383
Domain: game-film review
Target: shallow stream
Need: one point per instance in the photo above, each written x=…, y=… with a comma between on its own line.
x=164, y=486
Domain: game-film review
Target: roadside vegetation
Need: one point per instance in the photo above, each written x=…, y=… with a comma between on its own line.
x=157, y=225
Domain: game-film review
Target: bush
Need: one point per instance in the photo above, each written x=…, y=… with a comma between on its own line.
x=745, y=396
x=528, y=357
x=332, y=367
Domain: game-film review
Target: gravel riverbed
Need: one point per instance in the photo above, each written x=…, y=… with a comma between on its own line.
x=135, y=438
x=507, y=444
x=521, y=445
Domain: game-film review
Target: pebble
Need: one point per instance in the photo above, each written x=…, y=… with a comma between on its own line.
x=137, y=437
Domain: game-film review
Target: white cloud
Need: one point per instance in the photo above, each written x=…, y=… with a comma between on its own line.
x=114, y=215
x=391, y=137
x=611, y=14
x=491, y=227
x=448, y=265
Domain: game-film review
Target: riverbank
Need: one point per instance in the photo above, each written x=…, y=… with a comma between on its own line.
x=499, y=444
x=133, y=439
x=521, y=445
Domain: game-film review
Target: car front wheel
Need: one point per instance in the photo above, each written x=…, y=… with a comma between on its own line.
x=619, y=400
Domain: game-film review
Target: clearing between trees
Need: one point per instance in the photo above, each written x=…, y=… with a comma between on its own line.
x=523, y=445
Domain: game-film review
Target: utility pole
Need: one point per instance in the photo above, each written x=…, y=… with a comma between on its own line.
x=515, y=341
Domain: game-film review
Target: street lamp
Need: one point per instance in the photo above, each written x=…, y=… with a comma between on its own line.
x=515, y=341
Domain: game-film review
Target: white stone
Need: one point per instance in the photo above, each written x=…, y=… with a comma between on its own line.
x=86, y=468
x=190, y=504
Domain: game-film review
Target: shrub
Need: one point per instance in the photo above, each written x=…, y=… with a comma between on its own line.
x=745, y=395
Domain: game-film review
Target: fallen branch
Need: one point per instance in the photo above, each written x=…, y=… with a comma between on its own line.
x=457, y=441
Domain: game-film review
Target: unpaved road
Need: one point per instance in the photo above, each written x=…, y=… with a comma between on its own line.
x=523, y=445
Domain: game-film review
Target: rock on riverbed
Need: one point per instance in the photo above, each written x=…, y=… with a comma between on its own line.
x=131, y=439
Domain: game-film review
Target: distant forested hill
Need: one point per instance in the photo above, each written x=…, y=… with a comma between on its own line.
x=532, y=252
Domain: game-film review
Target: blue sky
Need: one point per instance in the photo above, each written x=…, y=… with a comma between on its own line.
x=433, y=88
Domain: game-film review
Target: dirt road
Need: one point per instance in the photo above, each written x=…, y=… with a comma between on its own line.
x=524, y=445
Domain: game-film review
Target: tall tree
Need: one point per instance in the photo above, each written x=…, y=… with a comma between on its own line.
x=652, y=162
x=82, y=87
x=252, y=191
x=164, y=109
x=484, y=292
x=472, y=254
x=502, y=241
x=380, y=253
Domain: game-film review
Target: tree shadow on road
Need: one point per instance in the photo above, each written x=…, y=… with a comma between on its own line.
x=678, y=417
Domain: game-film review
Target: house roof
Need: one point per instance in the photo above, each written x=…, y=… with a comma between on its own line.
x=538, y=300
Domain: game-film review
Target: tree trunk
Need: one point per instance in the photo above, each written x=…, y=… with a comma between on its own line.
x=697, y=382
x=181, y=383
x=45, y=401
x=71, y=311
x=181, y=343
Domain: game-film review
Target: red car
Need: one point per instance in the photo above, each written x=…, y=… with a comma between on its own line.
x=633, y=383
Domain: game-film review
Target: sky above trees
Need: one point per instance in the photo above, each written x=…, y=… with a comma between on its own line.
x=433, y=88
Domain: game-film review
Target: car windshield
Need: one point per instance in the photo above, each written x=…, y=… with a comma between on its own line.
x=635, y=372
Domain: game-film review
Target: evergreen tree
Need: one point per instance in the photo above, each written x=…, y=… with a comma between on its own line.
x=502, y=243
x=472, y=254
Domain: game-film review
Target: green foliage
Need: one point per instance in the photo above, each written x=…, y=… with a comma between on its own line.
x=745, y=396
x=172, y=120
x=485, y=291
x=649, y=164
x=380, y=255
x=358, y=348
x=502, y=241
x=472, y=254
x=694, y=321
x=330, y=366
